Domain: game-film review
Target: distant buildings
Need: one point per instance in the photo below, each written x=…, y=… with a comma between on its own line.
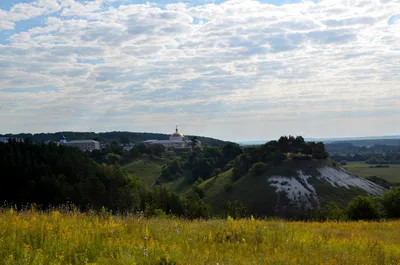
x=6, y=139
x=176, y=142
x=84, y=145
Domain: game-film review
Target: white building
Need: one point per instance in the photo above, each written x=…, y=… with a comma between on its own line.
x=176, y=142
x=6, y=139
x=84, y=145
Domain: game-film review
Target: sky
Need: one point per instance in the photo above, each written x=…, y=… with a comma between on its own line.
x=237, y=70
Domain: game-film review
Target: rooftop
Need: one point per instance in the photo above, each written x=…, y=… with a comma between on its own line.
x=81, y=141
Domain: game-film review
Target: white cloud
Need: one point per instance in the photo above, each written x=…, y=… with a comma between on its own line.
x=227, y=64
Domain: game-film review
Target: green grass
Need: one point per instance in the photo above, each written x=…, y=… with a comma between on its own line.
x=72, y=238
x=391, y=174
x=146, y=170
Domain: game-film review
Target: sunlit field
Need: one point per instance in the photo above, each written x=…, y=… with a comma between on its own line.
x=391, y=174
x=32, y=237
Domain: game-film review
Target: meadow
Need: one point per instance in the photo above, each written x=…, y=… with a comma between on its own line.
x=33, y=237
x=391, y=174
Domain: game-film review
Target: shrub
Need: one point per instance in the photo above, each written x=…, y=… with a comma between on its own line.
x=301, y=157
x=258, y=168
x=391, y=203
x=343, y=163
x=112, y=159
x=159, y=213
x=380, y=181
x=236, y=209
x=228, y=187
x=362, y=208
x=331, y=211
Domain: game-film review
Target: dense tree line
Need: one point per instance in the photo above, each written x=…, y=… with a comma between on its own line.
x=349, y=148
x=114, y=153
x=202, y=163
x=52, y=175
x=364, y=208
x=211, y=160
x=374, y=154
x=257, y=159
x=369, y=158
x=106, y=137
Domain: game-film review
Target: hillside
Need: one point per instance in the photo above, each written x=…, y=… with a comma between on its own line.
x=146, y=170
x=287, y=177
x=291, y=187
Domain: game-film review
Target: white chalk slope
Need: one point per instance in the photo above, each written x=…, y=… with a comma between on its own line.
x=301, y=192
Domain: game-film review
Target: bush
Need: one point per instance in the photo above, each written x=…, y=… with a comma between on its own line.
x=331, y=211
x=380, y=181
x=362, y=208
x=236, y=209
x=159, y=213
x=343, y=163
x=258, y=168
x=391, y=203
x=277, y=157
x=301, y=157
x=112, y=159
x=228, y=187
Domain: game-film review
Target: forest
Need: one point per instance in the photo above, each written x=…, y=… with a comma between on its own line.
x=52, y=176
x=375, y=154
x=105, y=137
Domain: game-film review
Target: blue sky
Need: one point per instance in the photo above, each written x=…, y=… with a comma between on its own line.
x=237, y=70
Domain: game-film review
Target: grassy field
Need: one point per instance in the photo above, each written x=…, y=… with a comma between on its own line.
x=391, y=174
x=32, y=237
x=146, y=170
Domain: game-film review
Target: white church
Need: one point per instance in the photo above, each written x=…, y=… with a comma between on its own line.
x=176, y=142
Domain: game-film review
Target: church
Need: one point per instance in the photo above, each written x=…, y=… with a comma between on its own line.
x=176, y=142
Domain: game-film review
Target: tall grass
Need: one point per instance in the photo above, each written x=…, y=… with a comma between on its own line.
x=32, y=237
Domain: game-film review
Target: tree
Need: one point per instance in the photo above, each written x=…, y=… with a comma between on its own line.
x=236, y=209
x=143, y=149
x=362, y=208
x=230, y=151
x=112, y=159
x=318, y=150
x=283, y=144
x=391, y=203
x=134, y=153
x=194, y=142
x=172, y=170
x=331, y=211
x=156, y=149
x=277, y=157
x=258, y=168
x=306, y=149
x=124, y=140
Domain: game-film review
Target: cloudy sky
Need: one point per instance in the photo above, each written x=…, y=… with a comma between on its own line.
x=236, y=70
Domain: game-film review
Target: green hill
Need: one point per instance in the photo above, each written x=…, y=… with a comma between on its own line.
x=284, y=177
x=146, y=170
x=292, y=186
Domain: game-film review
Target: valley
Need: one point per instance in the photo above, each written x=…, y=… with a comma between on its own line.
x=390, y=173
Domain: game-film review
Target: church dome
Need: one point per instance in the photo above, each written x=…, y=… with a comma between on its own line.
x=176, y=133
